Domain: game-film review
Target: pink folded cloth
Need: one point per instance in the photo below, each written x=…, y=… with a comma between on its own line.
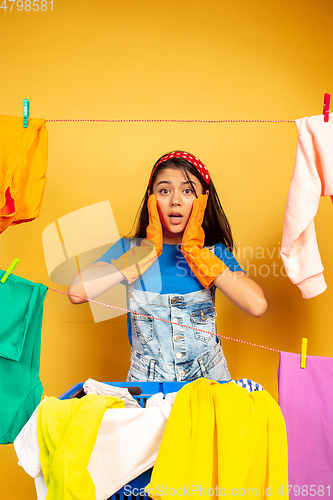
x=306, y=401
x=312, y=178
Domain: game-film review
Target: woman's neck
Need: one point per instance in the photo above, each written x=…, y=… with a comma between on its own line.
x=171, y=238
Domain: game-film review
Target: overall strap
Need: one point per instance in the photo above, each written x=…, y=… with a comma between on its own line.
x=133, y=243
x=130, y=286
x=212, y=249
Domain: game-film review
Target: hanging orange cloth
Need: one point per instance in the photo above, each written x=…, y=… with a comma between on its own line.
x=23, y=162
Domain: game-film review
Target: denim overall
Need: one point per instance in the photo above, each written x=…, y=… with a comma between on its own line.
x=170, y=352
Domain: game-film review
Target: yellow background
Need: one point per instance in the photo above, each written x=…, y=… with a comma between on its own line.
x=169, y=59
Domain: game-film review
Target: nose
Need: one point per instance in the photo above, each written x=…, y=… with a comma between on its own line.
x=175, y=199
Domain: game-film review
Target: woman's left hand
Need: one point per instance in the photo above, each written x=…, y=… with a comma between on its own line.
x=242, y=291
x=204, y=264
x=209, y=269
x=154, y=229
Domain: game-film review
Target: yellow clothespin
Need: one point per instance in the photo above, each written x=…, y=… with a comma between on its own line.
x=304, y=351
x=10, y=270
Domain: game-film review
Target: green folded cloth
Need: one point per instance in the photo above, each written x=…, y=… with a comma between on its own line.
x=21, y=315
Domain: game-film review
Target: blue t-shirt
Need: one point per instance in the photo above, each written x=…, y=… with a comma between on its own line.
x=170, y=273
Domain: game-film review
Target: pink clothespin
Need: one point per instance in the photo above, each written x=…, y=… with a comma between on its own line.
x=326, y=110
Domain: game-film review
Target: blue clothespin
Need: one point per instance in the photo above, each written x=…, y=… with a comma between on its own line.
x=10, y=270
x=26, y=110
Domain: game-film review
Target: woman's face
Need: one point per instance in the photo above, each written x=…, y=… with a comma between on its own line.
x=175, y=196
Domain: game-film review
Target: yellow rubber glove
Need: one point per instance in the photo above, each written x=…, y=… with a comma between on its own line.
x=139, y=258
x=204, y=264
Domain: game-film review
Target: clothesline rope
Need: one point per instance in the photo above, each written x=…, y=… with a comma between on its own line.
x=164, y=320
x=172, y=121
x=167, y=120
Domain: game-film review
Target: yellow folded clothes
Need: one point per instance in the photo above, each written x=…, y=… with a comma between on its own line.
x=220, y=440
x=23, y=163
x=67, y=432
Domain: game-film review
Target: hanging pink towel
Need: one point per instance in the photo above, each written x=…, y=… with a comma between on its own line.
x=306, y=401
x=312, y=178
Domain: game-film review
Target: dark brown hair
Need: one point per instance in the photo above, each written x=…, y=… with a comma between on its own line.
x=215, y=224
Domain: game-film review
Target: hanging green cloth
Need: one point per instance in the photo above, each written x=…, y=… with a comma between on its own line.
x=21, y=314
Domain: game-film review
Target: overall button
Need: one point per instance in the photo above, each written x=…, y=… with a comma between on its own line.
x=181, y=373
x=174, y=300
x=176, y=338
x=179, y=355
x=203, y=317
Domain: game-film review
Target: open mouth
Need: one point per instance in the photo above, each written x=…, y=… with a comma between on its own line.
x=175, y=218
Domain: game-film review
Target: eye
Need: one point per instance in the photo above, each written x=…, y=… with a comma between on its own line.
x=164, y=191
x=188, y=191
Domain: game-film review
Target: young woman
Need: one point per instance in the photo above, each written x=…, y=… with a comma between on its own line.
x=180, y=252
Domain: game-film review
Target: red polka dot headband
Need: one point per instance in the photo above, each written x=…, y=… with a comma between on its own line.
x=203, y=171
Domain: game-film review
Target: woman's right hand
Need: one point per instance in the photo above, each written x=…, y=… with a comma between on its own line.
x=99, y=277
x=139, y=258
x=154, y=229
x=93, y=282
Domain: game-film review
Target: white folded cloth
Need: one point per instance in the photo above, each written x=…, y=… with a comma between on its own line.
x=91, y=386
x=126, y=446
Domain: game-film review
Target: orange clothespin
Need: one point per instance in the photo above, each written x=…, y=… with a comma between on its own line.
x=10, y=270
x=326, y=110
x=304, y=352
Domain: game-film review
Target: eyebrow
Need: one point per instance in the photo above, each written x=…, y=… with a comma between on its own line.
x=169, y=182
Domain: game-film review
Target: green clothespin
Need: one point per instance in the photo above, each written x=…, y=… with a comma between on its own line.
x=26, y=111
x=10, y=270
